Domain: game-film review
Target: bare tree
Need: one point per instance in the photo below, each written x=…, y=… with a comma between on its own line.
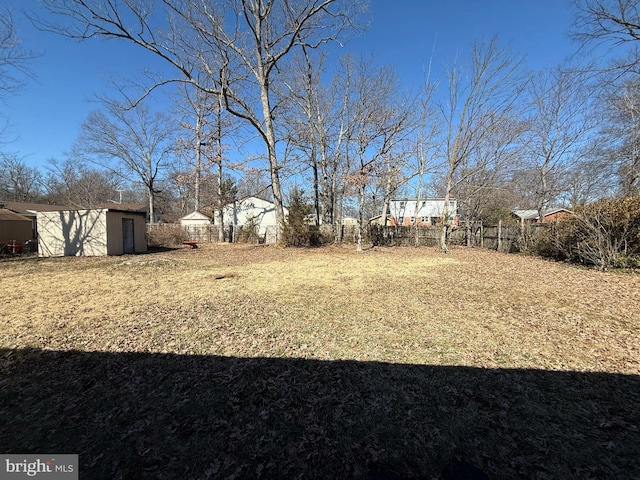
x=133, y=143
x=18, y=181
x=254, y=182
x=379, y=124
x=206, y=124
x=611, y=23
x=239, y=46
x=322, y=129
x=73, y=183
x=14, y=63
x=306, y=132
x=14, y=59
x=483, y=176
x=491, y=89
x=620, y=134
x=560, y=123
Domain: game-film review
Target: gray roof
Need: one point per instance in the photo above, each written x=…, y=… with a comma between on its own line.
x=533, y=214
x=526, y=214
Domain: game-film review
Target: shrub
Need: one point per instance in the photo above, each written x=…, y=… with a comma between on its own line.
x=248, y=233
x=166, y=235
x=296, y=228
x=605, y=234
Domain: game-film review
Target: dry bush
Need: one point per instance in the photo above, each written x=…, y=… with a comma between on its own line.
x=166, y=236
x=604, y=234
x=296, y=229
x=248, y=233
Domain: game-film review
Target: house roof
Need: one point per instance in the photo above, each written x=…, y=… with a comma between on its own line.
x=108, y=209
x=531, y=214
x=556, y=210
x=28, y=209
x=9, y=215
x=249, y=197
x=526, y=214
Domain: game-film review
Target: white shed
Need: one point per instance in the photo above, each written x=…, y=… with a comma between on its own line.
x=194, y=218
x=96, y=232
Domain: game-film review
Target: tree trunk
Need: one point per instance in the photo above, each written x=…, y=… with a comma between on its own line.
x=219, y=216
x=152, y=213
x=361, y=218
x=445, y=214
x=220, y=183
x=196, y=200
x=270, y=141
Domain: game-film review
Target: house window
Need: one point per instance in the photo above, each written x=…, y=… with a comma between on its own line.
x=424, y=219
x=400, y=220
x=402, y=205
x=412, y=219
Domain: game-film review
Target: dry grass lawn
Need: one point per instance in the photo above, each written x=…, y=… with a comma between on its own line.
x=234, y=361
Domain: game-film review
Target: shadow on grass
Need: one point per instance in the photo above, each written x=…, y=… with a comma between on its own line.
x=157, y=416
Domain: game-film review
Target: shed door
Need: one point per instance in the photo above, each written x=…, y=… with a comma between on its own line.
x=128, y=242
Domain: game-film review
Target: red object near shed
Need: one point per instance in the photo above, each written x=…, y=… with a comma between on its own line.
x=14, y=247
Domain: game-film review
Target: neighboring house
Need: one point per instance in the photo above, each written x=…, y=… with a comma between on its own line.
x=194, y=219
x=96, y=232
x=29, y=210
x=14, y=227
x=428, y=211
x=256, y=211
x=349, y=221
x=377, y=220
x=533, y=216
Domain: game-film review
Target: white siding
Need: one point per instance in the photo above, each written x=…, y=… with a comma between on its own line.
x=433, y=208
x=72, y=232
x=87, y=232
x=239, y=213
x=195, y=218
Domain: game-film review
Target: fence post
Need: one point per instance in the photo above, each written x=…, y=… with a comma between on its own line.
x=499, y=234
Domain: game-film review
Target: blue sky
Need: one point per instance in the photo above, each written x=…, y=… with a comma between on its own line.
x=46, y=114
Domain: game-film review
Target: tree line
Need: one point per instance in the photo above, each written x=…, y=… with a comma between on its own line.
x=261, y=74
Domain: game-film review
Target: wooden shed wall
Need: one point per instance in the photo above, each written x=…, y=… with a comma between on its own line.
x=115, y=244
x=18, y=230
x=72, y=233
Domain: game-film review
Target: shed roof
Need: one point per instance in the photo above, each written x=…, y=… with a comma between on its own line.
x=124, y=207
x=195, y=216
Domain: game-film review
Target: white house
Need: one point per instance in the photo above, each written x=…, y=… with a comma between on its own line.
x=428, y=211
x=256, y=211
